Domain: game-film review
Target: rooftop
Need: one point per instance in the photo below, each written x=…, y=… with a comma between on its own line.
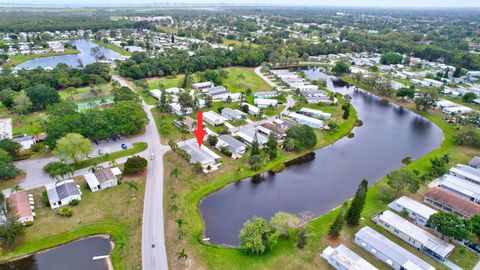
x=453, y=201
x=61, y=190
x=347, y=258
x=20, y=203
x=414, y=206
x=231, y=141
x=202, y=155
x=460, y=185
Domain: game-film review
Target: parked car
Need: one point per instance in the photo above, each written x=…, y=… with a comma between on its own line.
x=89, y=156
x=124, y=146
x=100, y=152
x=109, y=140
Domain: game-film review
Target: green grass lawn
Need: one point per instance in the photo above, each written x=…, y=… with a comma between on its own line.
x=18, y=59
x=116, y=212
x=137, y=148
x=113, y=47
x=82, y=94
x=30, y=124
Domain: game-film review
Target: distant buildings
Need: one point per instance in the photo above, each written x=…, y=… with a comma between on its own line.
x=343, y=258
x=389, y=252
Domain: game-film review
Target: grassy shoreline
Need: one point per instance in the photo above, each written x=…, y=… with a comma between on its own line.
x=112, y=47
x=19, y=59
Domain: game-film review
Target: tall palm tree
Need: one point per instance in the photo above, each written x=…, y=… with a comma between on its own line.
x=16, y=188
x=95, y=168
x=132, y=185
x=182, y=255
x=113, y=163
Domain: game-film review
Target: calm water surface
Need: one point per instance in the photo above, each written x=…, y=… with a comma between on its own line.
x=388, y=135
x=76, y=255
x=74, y=60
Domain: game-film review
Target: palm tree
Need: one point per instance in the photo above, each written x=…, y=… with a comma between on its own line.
x=175, y=172
x=113, y=163
x=239, y=78
x=16, y=188
x=95, y=168
x=180, y=222
x=182, y=255
x=132, y=185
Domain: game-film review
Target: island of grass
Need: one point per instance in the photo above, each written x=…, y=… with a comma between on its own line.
x=112, y=47
x=116, y=212
x=16, y=60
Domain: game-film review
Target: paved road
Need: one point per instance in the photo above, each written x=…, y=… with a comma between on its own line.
x=154, y=256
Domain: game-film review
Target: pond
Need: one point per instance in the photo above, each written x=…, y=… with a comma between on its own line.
x=89, y=53
x=76, y=255
x=389, y=134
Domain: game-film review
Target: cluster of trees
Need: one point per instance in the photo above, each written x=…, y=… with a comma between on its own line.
x=350, y=215
x=135, y=164
x=300, y=137
x=258, y=157
x=173, y=62
x=259, y=235
x=8, y=151
x=450, y=225
x=391, y=58
x=426, y=100
x=376, y=83
x=36, y=97
x=60, y=77
x=341, y=68
x=10, y=229
x=123, y=118
x=468, y=135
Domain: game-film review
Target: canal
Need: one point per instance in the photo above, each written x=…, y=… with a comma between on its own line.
x=76, y=255
x=89, y=53
x=389, y=134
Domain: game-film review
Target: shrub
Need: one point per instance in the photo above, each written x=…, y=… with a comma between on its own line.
x=37, y=147
x=28, y=223
x=65, y=212
x=74, y=202
x=302, y=238
x=351, y=135
x=226, y=152
x=134, y=165
x=45, y=200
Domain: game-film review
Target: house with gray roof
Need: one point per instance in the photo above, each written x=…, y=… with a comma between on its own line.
x=474, y=162
x=62, y=193
x=266, y=94
x=235, y=115
x=236, y=147
x=218, y=92
x=248, y=136
x=389, y=252
x=202, y=154
x=102, y=179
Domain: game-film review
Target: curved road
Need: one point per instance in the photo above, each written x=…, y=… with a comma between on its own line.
x=154, y=256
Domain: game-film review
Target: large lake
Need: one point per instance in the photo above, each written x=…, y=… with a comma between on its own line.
x=388, y=135
x=77, y=255
x=85, y=57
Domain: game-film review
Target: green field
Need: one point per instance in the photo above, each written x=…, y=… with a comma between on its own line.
x=113, y=47
x=18, y=59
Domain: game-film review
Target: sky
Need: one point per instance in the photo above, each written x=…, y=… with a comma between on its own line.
x=349, y=3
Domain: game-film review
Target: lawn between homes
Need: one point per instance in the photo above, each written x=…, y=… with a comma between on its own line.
x=184, y=192
x=116, y=212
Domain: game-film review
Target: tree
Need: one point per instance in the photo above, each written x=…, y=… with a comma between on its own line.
x=405, y=92
x=356, y=207
x=7, y=168
x=467, y=135
x=449, y=225
x=134, y=165
x=124, y=94
x=426, y=100
x=239, y=78
x=175, y=172
x=163, y=104
x=439, y=165
x=401, y=179
x=271, y=147
x=302, y=238
x=42, y=96
x=256, y=160
x=73, y=147
x=341, y=68
x=10, y=229
x=21, y=103
x=185, y=101
x=469, y=97
x=475, y=223
x=212, y=140
x=10, y=147
x=58, y=169
x=257, y=236
x=391, y=58
x=302, y=136
x=181, y=255
x=337, y=225
x=283, y=222
x=16, y=188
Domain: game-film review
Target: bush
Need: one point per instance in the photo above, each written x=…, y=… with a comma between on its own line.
x=351, y=135
x=134, y=165
x=74, y=202
x=45, y=200
x=37, y=147
x=28, y=223
x=65, y=212
x=225, y=151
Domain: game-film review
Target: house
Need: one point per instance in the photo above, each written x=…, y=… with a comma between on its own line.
x=236, y=147
x=218, y=93
x=25, y=141
x=325, y=100
x=315, y=113
x=343, y=258
x=5, y=128
x=306, y=120
x=62, y=193
x=456, y=110
x=433, y=83
x=189, y=123
x=156, y=93
x=22, y=205
x=248, y=136
x=214, y=118
x=389, y=252
x=103, y=179
x=451, y=202
x=283, y=123
x=417, y=212
x=466, y=173
x=174, y=90
x=206, y=157
x=313, y=93
x=252, y=110
x=269, y=128
x=265, y=102
x=414, y=235
x=201, y=86
x=232, y=114
x=460, y=186
x=474, y=162
x=267, y=94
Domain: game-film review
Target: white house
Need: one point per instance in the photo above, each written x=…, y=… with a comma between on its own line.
x=265, y=102
x=156, y=93
x=456, y=110
x=236, y=147
x=389, y=252
x=433, y=83
x=252, y=110
x=414, y=236
x=102, y=179
x=306, y=120
x=417, y=212
x=25, y=141
x=249, y=135
x=173, y=90
x=5, y=128
x=313, y=93
x=315, y=113
x=235, y=115
x=218, y=93
x=62, y=193
x=202, y=154
x=201, y=86
x=267, y=94
x=462, y=187
x=343, y=258
x=466, y=172
x=214, y=118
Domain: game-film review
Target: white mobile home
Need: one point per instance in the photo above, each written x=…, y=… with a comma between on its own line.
x=62, y=193
x=306, y=120
x=417, y=212
x=466, y=172
x=249, y=135
x=232, y=114
x=214, y=118
x=265, y=102
x=462, y=187
x=343, y=258
x=6, y=128
x=252, y=110
x=103, y=179
x=205, y=156
x=315, y=113
x=236, y=147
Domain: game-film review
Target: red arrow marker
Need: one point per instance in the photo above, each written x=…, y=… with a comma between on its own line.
x=200, y=132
